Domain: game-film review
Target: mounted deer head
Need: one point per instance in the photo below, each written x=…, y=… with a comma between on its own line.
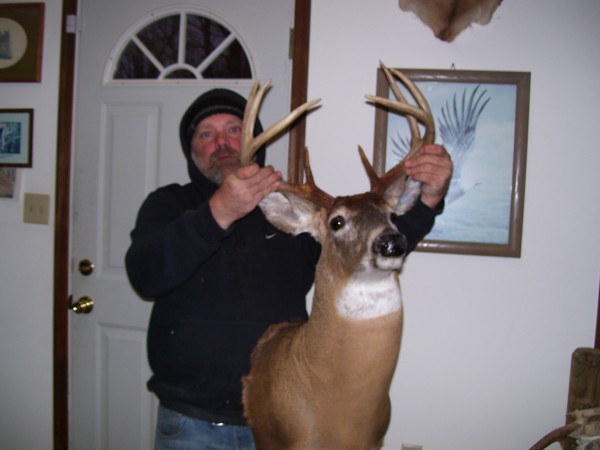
x=324, y=383
x=448, y=18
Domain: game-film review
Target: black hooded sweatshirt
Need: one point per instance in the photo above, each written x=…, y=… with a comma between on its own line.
x=216, y=291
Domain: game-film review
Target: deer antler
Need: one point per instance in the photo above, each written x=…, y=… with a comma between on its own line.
x=309, y=190
x=379, y=185
x=422, y=113
x=250, y=143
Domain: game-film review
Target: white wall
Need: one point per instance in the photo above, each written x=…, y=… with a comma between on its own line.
x=26, y=266
x=487, y=342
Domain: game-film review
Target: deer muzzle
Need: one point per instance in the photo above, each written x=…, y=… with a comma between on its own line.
x=391, y=245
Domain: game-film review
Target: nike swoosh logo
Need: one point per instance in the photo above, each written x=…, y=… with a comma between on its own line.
x=270, y=236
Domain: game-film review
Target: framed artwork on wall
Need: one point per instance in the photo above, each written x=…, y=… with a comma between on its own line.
x=481, y=118
x=16, y=134
x=10, y=178
x=21, y=41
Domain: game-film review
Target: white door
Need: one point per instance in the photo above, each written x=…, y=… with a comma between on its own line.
x=126, y=145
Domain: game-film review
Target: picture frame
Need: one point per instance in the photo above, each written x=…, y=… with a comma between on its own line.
x=21, y=41
x=482, y=119
x=16, y=136
x=10, y=182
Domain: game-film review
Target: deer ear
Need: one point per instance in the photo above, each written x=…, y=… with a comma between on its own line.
x=403, y=193
x=293, y=214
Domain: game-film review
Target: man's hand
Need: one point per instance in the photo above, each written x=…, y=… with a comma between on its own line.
x=241, y=191
x=433, y=168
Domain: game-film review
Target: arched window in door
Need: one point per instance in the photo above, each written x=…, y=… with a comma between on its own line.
x=179, y=45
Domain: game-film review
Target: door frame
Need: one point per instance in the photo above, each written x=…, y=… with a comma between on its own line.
x=62, y=231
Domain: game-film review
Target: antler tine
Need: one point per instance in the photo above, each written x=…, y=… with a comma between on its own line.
x=422, y=112
x=413, y=124
x=380, y=184
x=373, y=178
x=251, y=144
x=250, y=114
x=309, y=189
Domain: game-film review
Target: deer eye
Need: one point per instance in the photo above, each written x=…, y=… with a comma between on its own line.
x=393, y=217
x=336, y=223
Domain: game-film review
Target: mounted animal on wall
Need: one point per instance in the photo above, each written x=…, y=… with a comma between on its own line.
x=324, y=383
x=448, y=18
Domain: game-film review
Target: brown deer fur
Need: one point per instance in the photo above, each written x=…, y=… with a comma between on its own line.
x=323, y=383
x=448, y=18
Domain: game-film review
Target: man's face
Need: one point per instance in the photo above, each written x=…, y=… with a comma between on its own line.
x=215, y=146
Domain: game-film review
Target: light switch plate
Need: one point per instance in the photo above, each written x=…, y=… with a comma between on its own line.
x=36, y=208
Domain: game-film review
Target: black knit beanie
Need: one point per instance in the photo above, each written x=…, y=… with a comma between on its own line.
x=215, y=101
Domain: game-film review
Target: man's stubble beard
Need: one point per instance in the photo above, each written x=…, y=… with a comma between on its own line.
x=216, y=170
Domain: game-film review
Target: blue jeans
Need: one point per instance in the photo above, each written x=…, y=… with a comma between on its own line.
x=175, y=431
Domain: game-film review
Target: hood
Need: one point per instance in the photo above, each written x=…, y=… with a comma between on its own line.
x=213, y=102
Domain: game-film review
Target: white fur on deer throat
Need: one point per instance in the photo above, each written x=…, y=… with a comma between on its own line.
x=371, y=296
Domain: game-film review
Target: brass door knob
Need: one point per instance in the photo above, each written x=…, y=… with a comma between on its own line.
x=85, y=267
x=84, y=305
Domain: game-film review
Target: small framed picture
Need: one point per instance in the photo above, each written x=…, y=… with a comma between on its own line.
x=16, y=133
x=481, y=118
x=9, y=183
x=21, y=39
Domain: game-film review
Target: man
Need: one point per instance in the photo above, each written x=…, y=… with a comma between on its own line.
x=220, y=273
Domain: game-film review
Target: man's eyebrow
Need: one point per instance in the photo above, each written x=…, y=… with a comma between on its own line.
x=232, y=121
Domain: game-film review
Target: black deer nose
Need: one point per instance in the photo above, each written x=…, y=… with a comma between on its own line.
x=390, y=245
